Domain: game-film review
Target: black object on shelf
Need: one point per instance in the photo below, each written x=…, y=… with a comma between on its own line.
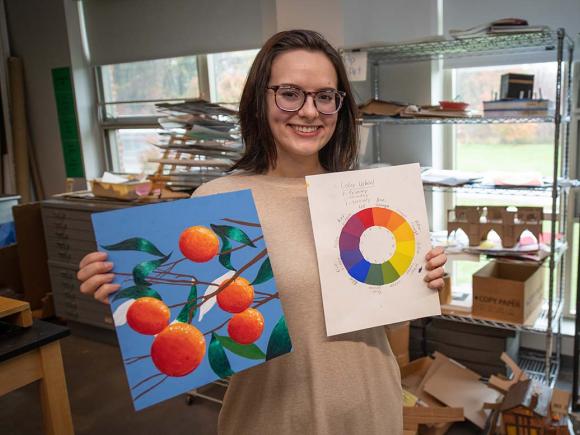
x=514, y=86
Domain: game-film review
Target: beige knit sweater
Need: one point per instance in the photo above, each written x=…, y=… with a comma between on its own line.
x=345, y=384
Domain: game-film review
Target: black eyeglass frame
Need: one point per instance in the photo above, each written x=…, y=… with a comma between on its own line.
x=341, y=95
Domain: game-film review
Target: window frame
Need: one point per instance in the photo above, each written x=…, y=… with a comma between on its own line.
x=109, y=125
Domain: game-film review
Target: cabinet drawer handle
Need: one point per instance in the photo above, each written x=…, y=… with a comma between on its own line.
x=61, y=234
x=69, y=285
x=63, y=245
x=61, y=225
x=64, y=255
x=59, y=214
x=66, y=274
x=108, y=319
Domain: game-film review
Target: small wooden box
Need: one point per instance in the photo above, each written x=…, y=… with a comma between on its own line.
x=15, y=311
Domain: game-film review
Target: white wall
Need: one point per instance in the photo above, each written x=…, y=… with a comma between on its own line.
x=370, y=21
x=462, y=14
x=131, y=30
x=324, y=16
x=37, y=34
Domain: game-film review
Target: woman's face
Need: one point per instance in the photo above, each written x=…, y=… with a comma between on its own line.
x=303, y=133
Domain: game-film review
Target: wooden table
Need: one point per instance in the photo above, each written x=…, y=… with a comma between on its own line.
x=34, y=355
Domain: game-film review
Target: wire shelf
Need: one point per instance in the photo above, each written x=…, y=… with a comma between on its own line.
x=375, y=119
x=539, y=326
x=477, y=188
x=491, y=189
x=501, y=43
x=534, y=365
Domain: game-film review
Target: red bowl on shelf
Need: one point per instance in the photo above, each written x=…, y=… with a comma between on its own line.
x=453, y=105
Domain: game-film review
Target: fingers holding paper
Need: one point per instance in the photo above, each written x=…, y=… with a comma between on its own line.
x=96, y=277
x=436, y=260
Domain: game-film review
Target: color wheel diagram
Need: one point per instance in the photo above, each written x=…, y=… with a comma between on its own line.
x=397, y=254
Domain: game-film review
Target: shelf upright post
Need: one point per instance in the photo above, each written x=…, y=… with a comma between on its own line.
x=376, y=127
x=576, y=356
x=557, y=122
x=565, y=195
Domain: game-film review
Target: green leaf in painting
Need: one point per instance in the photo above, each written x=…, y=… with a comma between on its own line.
x=226, y=259
x=184, y=315
x=136, y=292
x=218, y=360
x=142, y=270
x=250, y=351
x=135, y=244
x=233, y=233
x=265, y=272
x=279, y=342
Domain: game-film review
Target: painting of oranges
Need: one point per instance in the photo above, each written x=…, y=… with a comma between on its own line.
x=198, y=300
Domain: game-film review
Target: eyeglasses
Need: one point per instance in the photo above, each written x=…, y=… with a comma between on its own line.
x=292, y=99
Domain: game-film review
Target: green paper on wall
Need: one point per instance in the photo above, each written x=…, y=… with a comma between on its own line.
x=67, y=122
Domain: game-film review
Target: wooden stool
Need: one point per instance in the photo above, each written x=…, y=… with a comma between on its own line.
x=33, y=354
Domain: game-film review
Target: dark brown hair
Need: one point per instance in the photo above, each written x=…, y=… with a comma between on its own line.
x=339, y=154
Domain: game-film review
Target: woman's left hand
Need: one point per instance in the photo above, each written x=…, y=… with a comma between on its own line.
x=436, y=259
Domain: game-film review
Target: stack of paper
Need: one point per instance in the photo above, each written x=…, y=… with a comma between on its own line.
x=200, y=141
x=446, y=177
x=518, y=108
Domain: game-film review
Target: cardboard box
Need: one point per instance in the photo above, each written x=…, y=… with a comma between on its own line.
x=413, y=378
x=32, y=253
x=398, y=335
x=484, y=362
x=445, y=296
x=129, y=191
x=509, y=292
x=10, y=269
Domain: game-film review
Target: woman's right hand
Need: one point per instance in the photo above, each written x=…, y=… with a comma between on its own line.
x=95, y=277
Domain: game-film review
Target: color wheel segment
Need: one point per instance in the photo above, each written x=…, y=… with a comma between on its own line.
x=352, y=258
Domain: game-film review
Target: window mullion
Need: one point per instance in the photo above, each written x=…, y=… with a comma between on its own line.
x=203, y=77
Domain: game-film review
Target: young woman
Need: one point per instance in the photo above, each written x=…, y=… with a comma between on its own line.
x=297, y=115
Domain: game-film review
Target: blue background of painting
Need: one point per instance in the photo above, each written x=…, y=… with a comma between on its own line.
x=162, y=224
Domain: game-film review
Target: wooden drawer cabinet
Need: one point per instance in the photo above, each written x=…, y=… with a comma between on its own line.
x=69, y=237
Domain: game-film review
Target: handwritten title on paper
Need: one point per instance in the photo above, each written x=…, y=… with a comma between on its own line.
x=357, y=194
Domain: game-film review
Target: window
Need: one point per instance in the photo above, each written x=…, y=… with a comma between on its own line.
x=227, y=74
x=503, y=147
x=127, y=106
x=507, y=147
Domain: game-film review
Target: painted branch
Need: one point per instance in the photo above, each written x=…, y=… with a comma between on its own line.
x=247, y=224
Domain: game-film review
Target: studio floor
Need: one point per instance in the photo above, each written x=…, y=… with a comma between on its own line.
x=100, y=401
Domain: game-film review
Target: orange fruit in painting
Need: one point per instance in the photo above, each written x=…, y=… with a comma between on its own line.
x=199, y=244
x=148, y=315
x=246, y=327
x=178, y=349
x=237, y=296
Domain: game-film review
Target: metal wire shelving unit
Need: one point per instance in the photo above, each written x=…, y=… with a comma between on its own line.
x=556, y=42
x=488, y=44
x=476, y=120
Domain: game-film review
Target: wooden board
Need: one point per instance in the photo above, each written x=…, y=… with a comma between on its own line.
x=15, y=311
x=457, y=386
x=431, y=415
